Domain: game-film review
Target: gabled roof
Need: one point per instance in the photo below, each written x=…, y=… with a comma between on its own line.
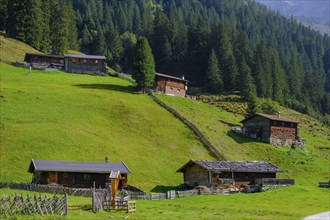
x=85, y=56
x=171, y=77
x=227, y=166
x=43, y=55
x=271, y=117
x=79, y=167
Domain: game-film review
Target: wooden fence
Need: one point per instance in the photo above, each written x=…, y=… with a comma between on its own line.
x=190, y=125
x=102, y=201
x=143, y=195
x=274, y=181
x=40, y=205
x=52, y=189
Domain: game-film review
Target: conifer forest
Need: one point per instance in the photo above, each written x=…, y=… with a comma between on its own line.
x=220, y=46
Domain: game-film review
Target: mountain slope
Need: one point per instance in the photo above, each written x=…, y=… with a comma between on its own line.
x=314, y=13
x=306, y=166
x=12, y=50
x=60, y=116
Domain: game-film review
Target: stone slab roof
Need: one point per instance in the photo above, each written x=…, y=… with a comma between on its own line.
x=228, y=166
x=271, y=117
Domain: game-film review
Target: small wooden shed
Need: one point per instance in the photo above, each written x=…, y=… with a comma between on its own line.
x=171, y=85
x=76, y=174
x=274, y=129
x=77, y=63
x=208, y=173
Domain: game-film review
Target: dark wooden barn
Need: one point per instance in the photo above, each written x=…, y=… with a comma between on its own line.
x=210, y=173
x=171, y=85
x=85, y=63
x=76, y=174
x=274, y=129
x=44, y=60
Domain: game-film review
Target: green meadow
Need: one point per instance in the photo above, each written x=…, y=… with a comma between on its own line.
x=307, y=166
x=59, y=116
x=278, y=204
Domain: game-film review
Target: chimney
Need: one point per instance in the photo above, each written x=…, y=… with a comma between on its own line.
x=182, y=77
x=279, y=114
x=106, y=159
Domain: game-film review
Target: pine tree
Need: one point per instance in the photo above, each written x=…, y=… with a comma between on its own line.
x=4, y=14
x=45, y=33
x=161, y=43
x=33, y=29
x=143, y=70
x=227, y=60
x=214, y=82
x=16, y=20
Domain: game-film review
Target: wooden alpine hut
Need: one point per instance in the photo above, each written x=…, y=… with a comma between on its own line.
x=77, y=174
x=171, y=85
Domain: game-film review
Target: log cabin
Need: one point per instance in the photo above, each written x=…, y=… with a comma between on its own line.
x=44, y=60
x=76, y=174
x=171, y=85
x=213, y=173
x=77, y=63
x=274, y=129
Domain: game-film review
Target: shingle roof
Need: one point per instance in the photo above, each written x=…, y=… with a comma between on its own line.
x=85, y=56
x=227, y=166
x=171, y=77
x=79, y=167
x=271, y=117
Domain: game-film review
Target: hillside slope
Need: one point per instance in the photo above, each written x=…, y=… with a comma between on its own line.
x=306, y=166
x=59, y=116
x=12, y=50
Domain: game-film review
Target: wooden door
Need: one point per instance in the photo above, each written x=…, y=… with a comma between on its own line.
x=52, y=177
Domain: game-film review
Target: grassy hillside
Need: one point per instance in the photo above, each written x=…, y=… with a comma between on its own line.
x=60, y=116
x=288, y=203
x=54, y=115
x=306, y=166
x=12, y=50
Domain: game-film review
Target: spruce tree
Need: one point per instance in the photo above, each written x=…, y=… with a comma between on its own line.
x=214, y=82
x=3, y=13
x=143, y=70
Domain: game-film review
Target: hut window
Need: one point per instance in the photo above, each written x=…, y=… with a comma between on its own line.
x=73, y=61
x=86, y=176
x=65, y=174
x=96, y=61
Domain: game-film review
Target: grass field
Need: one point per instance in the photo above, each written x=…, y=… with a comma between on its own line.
x=306, y=166
x=12, y=50
x=59, y=116
x=54, y=115
x=277, y=204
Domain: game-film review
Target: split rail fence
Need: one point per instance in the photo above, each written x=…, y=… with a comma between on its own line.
x=41, y=205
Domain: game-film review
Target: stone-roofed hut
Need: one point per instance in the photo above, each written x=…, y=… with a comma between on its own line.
x=76, y=174
x=274, y=129
x=208, y=173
